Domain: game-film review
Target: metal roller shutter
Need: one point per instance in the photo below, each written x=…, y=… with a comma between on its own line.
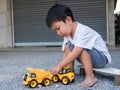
x=29, y=19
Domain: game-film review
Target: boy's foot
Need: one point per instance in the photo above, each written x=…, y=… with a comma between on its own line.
x=88, y=82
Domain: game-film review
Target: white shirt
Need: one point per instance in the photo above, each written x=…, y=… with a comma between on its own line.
x=117, y=8
x=87, y=38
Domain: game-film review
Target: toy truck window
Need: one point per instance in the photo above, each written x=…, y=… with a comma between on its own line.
x=67, y=70
x=64, y=70
x=25, y=77
x=32, y=75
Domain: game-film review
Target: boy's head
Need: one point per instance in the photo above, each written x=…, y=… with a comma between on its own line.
x=58, y=12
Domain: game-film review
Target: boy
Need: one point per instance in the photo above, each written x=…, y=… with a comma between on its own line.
x=80, y=42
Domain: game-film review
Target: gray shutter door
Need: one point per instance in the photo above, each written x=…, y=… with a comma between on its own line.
x=29, y=18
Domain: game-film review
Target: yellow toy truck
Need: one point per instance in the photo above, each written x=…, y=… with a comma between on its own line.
x=40, y=76
x=37, y=76
x=66, y=76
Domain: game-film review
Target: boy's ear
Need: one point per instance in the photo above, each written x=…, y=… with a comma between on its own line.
x=69, y=19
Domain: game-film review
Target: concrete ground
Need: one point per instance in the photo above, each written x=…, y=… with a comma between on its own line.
x=13, y=64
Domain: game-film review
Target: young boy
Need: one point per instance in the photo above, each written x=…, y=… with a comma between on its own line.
x=80, y=42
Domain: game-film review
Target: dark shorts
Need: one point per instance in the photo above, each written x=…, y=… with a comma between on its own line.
x=99, y=60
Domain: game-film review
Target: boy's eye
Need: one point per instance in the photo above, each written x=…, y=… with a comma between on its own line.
x=58, y=28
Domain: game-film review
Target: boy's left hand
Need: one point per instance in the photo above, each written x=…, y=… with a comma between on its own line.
x=55, y=70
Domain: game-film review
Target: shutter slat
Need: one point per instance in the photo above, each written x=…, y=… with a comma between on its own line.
x=29, y=18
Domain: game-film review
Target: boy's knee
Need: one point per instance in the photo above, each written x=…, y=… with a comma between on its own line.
x=84, y=52
x=67, y=46
x=70, y=45
x=83, y=55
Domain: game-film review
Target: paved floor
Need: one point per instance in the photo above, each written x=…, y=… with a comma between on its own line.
x=13, y=63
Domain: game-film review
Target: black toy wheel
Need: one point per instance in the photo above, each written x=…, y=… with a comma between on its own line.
x=65, y=80
x=55, y=78
x=32, y=84
x=46, y=82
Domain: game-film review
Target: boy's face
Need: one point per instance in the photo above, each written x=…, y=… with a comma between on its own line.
x=63, y=29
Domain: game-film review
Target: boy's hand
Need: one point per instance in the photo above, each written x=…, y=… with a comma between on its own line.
x=55, y=70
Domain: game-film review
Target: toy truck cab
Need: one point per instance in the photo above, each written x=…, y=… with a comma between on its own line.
x=37, y=76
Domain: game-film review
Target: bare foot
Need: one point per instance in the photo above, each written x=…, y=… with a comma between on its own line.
x=88, y=82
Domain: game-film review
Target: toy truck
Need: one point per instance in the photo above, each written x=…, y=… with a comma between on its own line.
x=40, y=76
x=66, y=76
x=37, y=76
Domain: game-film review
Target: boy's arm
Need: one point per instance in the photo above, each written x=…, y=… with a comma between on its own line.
x=70, y=57
x=67, y=60
x=66, y=51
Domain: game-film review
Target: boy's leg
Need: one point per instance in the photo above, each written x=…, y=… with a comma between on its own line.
x=67, y=51
x=87, y=64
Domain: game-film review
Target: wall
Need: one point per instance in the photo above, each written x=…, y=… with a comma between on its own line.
x=5, y=24
x=111, y=26
x=6, y=32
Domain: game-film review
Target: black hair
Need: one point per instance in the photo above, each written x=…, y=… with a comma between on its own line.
x=58, y=12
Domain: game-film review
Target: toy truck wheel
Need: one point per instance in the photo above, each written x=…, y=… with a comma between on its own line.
x=55, y=78
x=46, y=82
x=33, y=84
x=65, y=80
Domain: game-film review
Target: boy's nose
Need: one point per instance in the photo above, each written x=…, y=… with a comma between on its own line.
x=58, y=33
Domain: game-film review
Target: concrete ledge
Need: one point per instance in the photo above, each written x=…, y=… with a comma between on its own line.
x=43, y=48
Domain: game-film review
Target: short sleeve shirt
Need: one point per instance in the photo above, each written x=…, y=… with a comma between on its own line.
x=87, y=38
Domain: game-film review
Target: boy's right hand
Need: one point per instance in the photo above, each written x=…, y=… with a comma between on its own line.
x=55, y=70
